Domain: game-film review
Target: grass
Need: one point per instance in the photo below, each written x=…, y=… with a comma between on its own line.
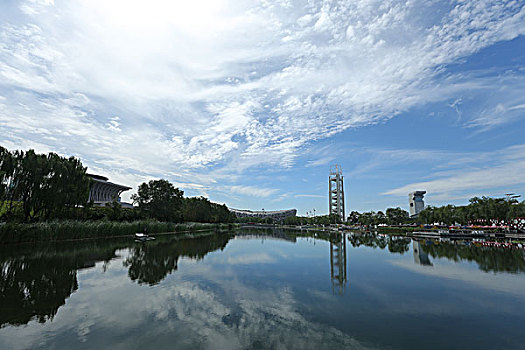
x=78, y=230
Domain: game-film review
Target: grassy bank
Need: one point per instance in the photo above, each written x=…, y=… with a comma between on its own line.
x=77, y=230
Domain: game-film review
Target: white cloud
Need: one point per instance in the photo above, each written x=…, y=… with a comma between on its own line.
x=252, y=191
x=229, y=85
x=309, y=196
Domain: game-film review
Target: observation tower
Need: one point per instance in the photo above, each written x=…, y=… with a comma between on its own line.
x=336, y=192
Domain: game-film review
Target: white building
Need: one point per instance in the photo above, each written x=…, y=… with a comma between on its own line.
x=102, y=191
x=275, y=214
x=416, y=202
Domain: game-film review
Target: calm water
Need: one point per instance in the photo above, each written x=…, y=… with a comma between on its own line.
x=262, y=289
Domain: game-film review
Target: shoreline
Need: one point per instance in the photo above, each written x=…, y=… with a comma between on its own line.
x=73, y=231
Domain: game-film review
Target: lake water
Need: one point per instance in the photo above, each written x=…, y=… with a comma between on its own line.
x=257, y=289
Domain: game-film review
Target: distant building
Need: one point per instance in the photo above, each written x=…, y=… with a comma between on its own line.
x=102, y=191
x=336, y=192
x=275, y=215
x=416, y=202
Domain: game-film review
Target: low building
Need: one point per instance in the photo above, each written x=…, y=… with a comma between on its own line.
x=103, y=192
x=275, y=214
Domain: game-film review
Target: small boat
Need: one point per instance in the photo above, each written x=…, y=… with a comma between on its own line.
x=142, y=237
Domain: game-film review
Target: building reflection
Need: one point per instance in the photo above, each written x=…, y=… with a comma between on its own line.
x=338, y=263
x=265, y=233
x=420, y=256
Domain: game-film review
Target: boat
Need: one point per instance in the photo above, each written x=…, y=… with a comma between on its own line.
x=142, y=237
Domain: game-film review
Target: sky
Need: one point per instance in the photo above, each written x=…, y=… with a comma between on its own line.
x=249, y=103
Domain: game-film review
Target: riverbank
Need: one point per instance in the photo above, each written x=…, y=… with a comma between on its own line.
x=82, y=230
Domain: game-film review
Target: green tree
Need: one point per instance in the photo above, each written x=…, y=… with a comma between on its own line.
x=397, y=216
x=353, y=217
x=160, y=200
x=200, y=209
x=41, y=186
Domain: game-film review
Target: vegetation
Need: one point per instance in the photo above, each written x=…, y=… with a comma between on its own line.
x=480, y=211
x=392, y=216
x=159, y=199
x=200, y=209
x=45, y=197
x=40, y=187
x=76, y=230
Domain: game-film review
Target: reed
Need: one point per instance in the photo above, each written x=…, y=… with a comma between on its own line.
x=77, y=230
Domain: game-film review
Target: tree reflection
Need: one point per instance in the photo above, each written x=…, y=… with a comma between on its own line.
x=30, y=289
x=35, y=282
x=489, y=259
x=395, y=244
x=493, y=259
x=150, y=263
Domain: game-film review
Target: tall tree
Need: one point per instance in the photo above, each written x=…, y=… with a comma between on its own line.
x=159, y=199
x=43, y=186
x=396, y=216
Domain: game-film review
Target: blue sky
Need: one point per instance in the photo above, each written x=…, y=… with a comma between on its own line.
x=249, y=102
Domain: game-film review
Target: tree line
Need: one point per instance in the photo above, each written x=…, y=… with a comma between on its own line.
x=392, y=216
x=159, y=199
x=41, y=187
x=479, y=211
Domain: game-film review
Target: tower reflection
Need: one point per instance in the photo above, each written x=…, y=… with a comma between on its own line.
x=338, y=262
x=420, y=257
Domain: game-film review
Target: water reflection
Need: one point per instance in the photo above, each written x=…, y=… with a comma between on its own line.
x=338, y=262
x=252, y=295
x=36, y=281
x=420, y=256
x=488, y=259
x=267, y=233
x=150, y=263
x=395, y=244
